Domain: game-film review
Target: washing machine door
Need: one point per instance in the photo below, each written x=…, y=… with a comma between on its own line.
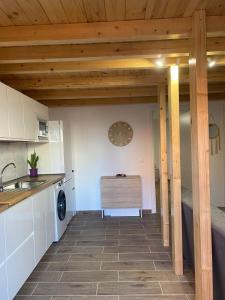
x=61, y=205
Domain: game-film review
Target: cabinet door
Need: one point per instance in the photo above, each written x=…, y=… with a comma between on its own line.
x=39, y=205
x=20, y=265
x=4, y=112
x=41, y=111
x=16, y=118
x=50, y=217
x=3, y=283
x=30, y=119
x=18, y=224
x=2, y=238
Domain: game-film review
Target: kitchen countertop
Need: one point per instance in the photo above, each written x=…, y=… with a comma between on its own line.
x=10, y=198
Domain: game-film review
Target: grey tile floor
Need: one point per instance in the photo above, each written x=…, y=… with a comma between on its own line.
x=114, y=259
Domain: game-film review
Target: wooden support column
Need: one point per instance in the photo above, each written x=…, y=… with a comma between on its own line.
x=176, y=217
x=164, y=202
x=200, y=159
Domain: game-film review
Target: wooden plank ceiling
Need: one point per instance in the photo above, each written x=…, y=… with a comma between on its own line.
x=85, y=65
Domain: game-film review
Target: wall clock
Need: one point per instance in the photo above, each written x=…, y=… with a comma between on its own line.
x=120, y=133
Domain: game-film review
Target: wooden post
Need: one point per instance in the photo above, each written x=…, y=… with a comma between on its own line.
x=176, y=217
x=200, y=159
x=163, y=167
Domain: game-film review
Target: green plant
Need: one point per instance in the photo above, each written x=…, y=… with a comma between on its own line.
x=33, y=160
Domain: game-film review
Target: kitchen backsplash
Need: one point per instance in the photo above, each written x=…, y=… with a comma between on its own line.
x=13, y=152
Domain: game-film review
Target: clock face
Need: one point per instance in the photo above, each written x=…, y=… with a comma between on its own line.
x=120, y=134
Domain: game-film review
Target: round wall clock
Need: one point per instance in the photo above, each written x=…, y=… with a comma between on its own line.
x=120, y=134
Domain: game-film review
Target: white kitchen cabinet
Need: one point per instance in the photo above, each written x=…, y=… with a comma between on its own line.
x=3, y=283
x=41, y=111
x=50, y=216
x=4, y=112
x=18, y=224
x=2, y=238
x=39, y=205
x=16, y=116
x=20, y=265
x=30, y=119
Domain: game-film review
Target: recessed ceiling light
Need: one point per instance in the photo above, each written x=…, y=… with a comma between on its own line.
x=160, y=62
x=211, y=63
x=192, y=61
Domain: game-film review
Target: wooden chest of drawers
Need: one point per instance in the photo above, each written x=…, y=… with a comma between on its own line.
x=121, y=192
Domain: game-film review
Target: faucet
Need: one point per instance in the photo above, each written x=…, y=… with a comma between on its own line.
x=1, y=174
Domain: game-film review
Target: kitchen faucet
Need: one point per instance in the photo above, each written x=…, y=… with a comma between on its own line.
x=1, y=174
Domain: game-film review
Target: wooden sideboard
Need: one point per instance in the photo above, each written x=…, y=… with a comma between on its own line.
x=121, y=192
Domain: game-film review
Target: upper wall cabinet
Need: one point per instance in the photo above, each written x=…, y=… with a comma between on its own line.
x=16, y=116
x=19, y=115
x=4, y=113
x=30, y=118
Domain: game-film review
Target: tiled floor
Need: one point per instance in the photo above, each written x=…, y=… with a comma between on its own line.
x=114, y=259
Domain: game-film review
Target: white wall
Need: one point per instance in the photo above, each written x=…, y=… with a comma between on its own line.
x=217, y=161
x=94, y=156
x=13, y=152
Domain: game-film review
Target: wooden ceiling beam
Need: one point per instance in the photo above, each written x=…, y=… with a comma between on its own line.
x=99, y=101
x=98, y=32
x=91, y=93
x=88, y=66
x=215, y=89
x=86, y=82
x=118, y=100
x=86, y=52
x=104, y=81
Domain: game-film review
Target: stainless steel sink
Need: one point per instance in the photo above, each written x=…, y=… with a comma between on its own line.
x=23, y=185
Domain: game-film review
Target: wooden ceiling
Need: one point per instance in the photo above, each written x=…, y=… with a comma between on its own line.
x=86, y=52
x=30, y=12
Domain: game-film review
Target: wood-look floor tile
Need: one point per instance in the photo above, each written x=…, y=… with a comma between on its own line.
x=89, y=276
x=148, y=276
x=55, y=257
x=33, y=298
x=163, y=265
x=44, y=276
x=128, y=288
x=74, y=266
x=178, y=287
x=27, y=288
x=128, y=265
x=70, y=236
x=64, y=288
x=94, y=257
x=85, y=298
x=157, y=248
x=97, y=243
x=42, y=266
x=140, y=243
x=126, y=249
x=155, y=297
x=80, y=249
x=143, y=256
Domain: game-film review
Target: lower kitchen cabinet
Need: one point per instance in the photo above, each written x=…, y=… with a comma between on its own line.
x=18, y=225
x=26, y=231
x=39, y=204
x=50, y=216
x=44, y=226
x=3, y=283
x=19, y=266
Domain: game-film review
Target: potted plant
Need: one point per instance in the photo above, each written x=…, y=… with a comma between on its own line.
x=33, y=164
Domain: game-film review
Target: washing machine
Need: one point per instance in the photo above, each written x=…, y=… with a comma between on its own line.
x=60, y=210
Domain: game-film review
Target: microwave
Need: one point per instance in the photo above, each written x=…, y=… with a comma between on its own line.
x=42, y=129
